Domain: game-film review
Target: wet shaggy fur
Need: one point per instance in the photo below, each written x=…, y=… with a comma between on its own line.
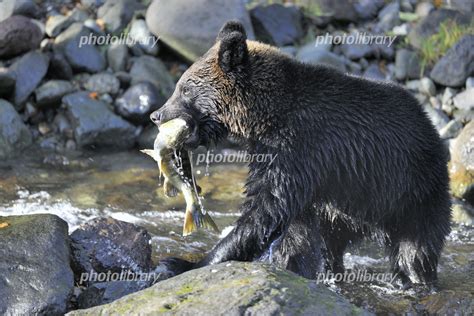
x=355, y=158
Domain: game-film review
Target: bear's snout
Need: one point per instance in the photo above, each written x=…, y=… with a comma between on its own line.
x=155, y=117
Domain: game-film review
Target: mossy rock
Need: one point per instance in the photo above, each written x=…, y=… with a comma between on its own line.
x=232, y=288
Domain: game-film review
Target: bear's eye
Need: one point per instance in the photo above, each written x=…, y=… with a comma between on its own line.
x=186, y=91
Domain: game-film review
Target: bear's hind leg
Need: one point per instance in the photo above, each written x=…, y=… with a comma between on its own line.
x=414, y=248
x=337, y=234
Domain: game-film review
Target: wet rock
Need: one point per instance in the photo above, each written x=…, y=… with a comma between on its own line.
x=103, y=83
x=461, y=166
x=107, y=292
x=116, y=14
x=29, y=70
x=389, y=17
x=277, y=24
x=321, y=56
x=34, y=271
x=18, y=34
x=106, y=244
x=140, y=33
x=368, y=9
x=7, y=82
x=147, y=137
x=373, y=72
x=138, y=102
x=456, y=65
x=189, y=27
x=232, y=288
x=117, y=56
x=95, y=124
x=14, y=135
x=149, y=69
x=430, y=24
x=465, y=100
x=427, y=87
x=82, y=56
x=407, y=65
x=437, y=117
x=51, y=92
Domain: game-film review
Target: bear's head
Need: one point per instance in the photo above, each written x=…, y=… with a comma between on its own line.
x=228, y=90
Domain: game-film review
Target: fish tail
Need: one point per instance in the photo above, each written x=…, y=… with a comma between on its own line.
x=208, y=223
x=189, y=225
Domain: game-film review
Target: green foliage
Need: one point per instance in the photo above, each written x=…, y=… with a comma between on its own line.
x=408, y=16
x=435, y=46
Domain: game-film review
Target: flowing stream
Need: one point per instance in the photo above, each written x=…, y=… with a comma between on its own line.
x=124, y=185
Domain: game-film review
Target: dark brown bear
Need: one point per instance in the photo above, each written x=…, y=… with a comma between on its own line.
x=355, y=158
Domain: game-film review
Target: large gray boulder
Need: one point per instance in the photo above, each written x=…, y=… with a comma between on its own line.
x=107, y=244
x=95, y=124
x=456, y=65
x=35, y=276
x=191, y=27
x=29, y=70
x=18, y=34
x=14, y=135
x=231, y=288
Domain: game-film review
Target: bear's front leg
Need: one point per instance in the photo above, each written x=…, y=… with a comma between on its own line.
x=273, y=200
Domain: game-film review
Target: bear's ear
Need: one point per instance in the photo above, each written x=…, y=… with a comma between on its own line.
x=229, y=27
x=233, y=50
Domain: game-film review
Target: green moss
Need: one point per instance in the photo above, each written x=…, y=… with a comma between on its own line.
x=435, y=46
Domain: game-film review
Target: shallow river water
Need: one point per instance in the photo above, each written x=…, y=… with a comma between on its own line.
x=124, y=185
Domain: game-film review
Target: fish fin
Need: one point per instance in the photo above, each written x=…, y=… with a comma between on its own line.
x=189, y=226
x=170, y=190
x=208, y=223
x=151, y=153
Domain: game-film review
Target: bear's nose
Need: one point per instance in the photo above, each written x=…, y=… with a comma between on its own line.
x=156, y=117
